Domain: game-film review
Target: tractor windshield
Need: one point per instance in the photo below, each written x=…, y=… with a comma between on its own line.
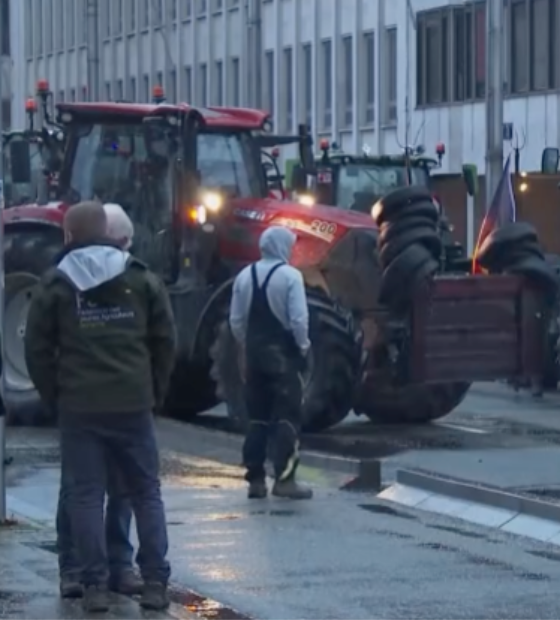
x=371, y=182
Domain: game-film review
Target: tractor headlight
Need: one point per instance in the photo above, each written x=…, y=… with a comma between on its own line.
x=213, y=201
x=306, y=200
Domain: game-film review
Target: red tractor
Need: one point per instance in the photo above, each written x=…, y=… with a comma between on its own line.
x=391, y=336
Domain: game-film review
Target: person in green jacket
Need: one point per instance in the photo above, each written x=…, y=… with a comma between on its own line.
x=100, y=346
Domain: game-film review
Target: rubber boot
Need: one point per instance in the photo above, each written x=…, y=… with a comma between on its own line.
x=290, y=489
x=155, y=596
x=70, y=587
x=257, y=489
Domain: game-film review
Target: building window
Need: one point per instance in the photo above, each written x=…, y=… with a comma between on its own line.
x=157, y=6
x=432, y=57
x=173, y=86
x=146, y=93
x=131, y=16
x=368, y=54
x=117, y=7
x=70, y=11
x=269, y=82
x=120, y=91
x=29, y=31
x=392, y=75
x=218, y=83
x=348, y=68
x=186, y=9
x=37, y=22
x=201, y=8
x=81, y=22
x=48, y=16
x=105, y=18
x=145, y=11
x=84, y=93
x=187, y=85
x=217, y=5
x=202, y=85
x=60, y=96
x=308, y=83
x=235, y=83
x=327, y=84
x=173, y=11
x=108, y=91
x=132, y=94
x=288, y=89
x=72, y=94
x=233, y=4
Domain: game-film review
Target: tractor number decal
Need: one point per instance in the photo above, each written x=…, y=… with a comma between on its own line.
x=324, y=177
x=317, y=228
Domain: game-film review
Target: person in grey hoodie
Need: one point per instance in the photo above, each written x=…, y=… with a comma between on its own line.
x=100, y=348
x=269, y=319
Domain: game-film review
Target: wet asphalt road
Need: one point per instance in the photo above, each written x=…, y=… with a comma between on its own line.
x=347, y=555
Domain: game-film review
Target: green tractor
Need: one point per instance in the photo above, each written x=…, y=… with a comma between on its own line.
x=357, y=182
x=31, y=157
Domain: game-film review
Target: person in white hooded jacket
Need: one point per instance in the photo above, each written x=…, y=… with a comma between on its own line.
x=269, y=319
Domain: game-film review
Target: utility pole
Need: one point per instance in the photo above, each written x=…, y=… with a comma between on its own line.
x=92, y=40
x=254, y=52
x=494, y=96
x=3, y=16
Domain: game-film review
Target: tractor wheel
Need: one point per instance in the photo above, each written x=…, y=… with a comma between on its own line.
x=191, y=391
x=414, y=404
x=28, y=253
x=428, y=238
x=415, y=200
x=335, y=362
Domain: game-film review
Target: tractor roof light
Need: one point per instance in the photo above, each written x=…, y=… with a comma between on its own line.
x=31, y=105
x=158, y=94
x=275, y=152
x=43, y=87
x=324, y=145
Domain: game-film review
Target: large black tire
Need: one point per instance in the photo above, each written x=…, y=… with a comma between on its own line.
x=28, y=252
x=334, y=368
x=413, y=404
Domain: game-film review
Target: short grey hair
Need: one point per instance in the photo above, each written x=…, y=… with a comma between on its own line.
x=119, y=225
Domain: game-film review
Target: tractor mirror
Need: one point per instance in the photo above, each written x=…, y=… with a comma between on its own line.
x=20, y=156
x=299, y=179
x=550, y=160
x=470, y=176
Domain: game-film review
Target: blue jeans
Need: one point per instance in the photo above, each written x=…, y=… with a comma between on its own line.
x=118, y=517
x=129, y=441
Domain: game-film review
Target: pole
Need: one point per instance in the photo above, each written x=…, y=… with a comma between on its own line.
x=494, y=96
x=470, y=225
x=255, y=52
x=92, y=40
x=3, y=15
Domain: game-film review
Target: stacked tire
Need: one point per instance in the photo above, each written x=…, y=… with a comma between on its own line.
x=410, y=246
x=515, y=248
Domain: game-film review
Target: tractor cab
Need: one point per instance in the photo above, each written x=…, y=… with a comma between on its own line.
x=357, y=182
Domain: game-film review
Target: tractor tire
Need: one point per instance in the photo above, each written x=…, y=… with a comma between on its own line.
x=28, y=252
x=537, y=271
x=527, y=250
x=503, y=242
x=407, y=199
x=413, y=404
x=328, y=384
x=425, y=237
x=391, y=231
x=191, y=392
x=404, y=274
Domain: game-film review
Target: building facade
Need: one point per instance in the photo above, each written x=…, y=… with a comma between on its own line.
x=375, y=73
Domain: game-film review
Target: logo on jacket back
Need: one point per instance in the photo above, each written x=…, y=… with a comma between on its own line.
x=93, y=315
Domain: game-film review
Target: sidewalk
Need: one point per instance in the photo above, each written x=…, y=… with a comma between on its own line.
x=342, y=555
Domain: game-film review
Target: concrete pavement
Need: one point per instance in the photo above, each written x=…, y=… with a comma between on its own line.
x=342, y=555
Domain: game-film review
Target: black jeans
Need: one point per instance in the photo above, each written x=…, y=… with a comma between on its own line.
x=118, y=517
x=87, y=442
x=274, y=410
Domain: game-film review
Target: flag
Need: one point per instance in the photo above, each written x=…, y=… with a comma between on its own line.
x=501, y=211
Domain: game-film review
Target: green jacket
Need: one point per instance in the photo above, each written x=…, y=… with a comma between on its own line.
x=100, y=334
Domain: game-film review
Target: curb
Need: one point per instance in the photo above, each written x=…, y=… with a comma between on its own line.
x=483, y=505
x=365, y=473
x=490, y=496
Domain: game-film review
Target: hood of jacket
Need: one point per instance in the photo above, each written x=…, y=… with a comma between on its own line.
x=91, y=266
x=277, y=243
